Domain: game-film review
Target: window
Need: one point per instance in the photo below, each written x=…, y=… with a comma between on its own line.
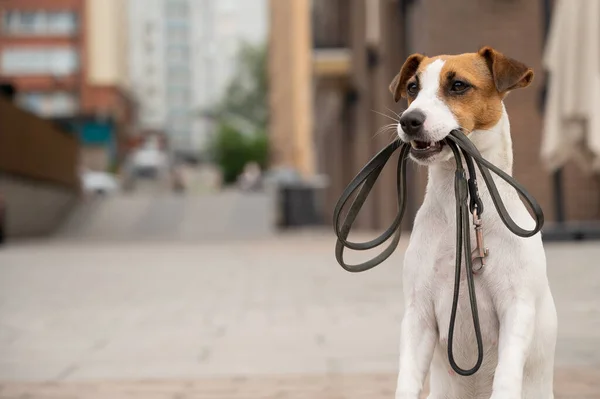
x=178, y=75
x=227, y=6
x=39, y=60
x=61, y=22
x=178, y=53
x=177, y=115
x=178, y=125
x=178, y=97
x=177, y=8
x=49, y=103
x=175, y=90
x=39, y=22
x=149, y=46
x=149, y=28
x=177, y=33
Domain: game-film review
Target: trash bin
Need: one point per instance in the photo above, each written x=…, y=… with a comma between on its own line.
x=299, y=201
x=300, y=205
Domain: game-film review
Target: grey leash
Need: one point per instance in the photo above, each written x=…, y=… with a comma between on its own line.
x=464, y=189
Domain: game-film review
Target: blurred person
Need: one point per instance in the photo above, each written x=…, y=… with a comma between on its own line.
x=179, y=179
x=250, y=178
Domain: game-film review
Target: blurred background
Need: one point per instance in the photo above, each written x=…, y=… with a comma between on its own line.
x=168, y=171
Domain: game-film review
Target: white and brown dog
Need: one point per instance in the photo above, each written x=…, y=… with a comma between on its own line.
x=516, y=308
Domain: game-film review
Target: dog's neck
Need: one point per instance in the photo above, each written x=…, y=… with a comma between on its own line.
x=495, y=145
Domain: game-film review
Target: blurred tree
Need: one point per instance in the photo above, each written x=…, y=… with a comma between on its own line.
x=242, y=115
x=245, y=99
x=233, y=149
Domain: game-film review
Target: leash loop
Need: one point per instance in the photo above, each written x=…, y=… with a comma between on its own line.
x=464, y=189
x=363, y=182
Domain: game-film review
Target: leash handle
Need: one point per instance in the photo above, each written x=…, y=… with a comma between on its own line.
x=364, y=182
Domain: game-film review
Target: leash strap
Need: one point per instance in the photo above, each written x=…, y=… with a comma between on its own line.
x=464, y=189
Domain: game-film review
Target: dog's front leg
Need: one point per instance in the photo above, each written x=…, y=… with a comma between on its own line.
x=418, y=336
x=516, y=333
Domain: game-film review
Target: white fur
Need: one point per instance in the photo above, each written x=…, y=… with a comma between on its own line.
x=516, y=308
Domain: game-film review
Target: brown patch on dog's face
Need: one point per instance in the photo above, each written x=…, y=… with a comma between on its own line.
x=467, y=87
x=408, y=70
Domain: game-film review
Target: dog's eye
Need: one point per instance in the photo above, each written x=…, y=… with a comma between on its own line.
x=459, y=86
x=412, y=88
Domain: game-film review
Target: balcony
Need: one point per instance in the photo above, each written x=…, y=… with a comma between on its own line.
x=330, y=24
x=331, y=38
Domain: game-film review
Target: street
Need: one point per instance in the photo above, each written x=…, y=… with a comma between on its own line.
x=265, y=317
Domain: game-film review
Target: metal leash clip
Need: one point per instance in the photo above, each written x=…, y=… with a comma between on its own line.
x=480, y=252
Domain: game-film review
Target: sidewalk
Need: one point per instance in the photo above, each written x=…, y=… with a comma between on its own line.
x=264, y=318
x=569, y=384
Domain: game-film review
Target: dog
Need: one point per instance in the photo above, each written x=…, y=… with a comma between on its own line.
x=516, y=308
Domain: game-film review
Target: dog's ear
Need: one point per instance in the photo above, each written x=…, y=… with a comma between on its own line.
x=508, y=73
x=398, y=85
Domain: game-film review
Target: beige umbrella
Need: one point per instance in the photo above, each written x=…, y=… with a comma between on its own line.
x=572, y=57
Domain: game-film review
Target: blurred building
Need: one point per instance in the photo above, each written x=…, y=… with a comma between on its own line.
x=66, y=59
x=290, y=86
x=182, y=55
x=358, y=46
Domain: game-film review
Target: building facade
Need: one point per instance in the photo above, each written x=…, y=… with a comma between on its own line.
x=360, y=45
x=290, y=86
x=42, y=54
x=66, y=60
x=182, y=55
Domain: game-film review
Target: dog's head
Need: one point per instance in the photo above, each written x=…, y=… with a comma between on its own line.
x=453, y=92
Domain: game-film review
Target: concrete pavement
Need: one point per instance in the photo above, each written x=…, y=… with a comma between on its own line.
x=270, y=317
x=164, y=216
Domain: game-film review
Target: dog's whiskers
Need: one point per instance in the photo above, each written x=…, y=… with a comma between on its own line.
x=387, y=116
x=386, y=128
x=398, y=115
x=393, y=137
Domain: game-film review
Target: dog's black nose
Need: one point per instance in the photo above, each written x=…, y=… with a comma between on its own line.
x=412, y=122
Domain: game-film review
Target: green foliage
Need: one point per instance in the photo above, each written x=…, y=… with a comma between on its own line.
x=242, y=115
x=246, y=95
x=233, y=150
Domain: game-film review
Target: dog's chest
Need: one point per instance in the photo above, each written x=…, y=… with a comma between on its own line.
x=442, y=284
